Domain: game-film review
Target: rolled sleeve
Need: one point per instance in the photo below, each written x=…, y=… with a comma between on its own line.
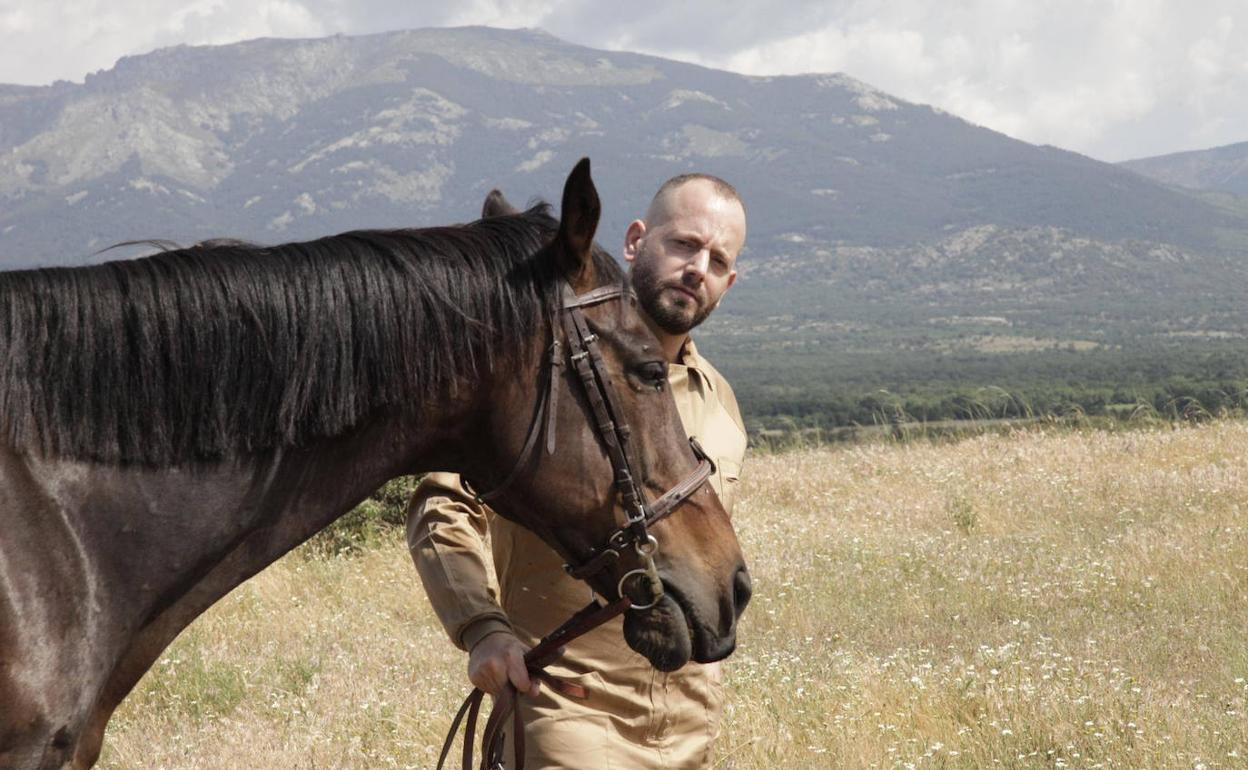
x=446, y=535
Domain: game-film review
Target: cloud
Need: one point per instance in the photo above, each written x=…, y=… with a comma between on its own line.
x=45, y=41
x=502, y=13
x=1077, y=75
x=1114, y=79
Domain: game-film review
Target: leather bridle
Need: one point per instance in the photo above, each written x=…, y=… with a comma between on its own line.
x=585, y=358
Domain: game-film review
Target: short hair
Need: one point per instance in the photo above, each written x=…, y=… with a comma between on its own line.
x=724, y=189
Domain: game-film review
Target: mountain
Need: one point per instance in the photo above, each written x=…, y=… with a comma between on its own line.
x=283, y=139
x=891, y=244
x=1220, y=169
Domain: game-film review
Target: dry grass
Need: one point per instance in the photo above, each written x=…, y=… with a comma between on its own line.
x=1033, y=600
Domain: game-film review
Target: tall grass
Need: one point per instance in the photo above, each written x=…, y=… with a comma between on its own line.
x=1032, y=599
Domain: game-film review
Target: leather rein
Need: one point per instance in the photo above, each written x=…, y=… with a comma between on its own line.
x=586, y=360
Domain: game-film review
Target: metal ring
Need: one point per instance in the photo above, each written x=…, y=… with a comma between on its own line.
x=648, y=548
x=619, y=589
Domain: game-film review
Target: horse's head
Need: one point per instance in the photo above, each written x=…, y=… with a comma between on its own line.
x=570, y=496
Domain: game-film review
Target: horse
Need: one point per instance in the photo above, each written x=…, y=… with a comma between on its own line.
x=171, y=425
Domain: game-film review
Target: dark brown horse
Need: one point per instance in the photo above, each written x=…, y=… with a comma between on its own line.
x=170, y=426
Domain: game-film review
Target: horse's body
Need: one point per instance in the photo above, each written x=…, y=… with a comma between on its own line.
x=169, y=427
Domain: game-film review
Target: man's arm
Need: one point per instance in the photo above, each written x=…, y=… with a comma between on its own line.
x=446, y=531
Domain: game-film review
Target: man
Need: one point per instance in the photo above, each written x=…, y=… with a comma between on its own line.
x=682, y=260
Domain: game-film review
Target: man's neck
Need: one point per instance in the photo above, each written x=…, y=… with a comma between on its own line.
x=672, y=346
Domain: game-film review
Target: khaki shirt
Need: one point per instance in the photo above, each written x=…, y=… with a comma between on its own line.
x=641, y=717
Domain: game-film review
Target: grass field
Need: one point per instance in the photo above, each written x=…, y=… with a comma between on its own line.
x=1032, y=600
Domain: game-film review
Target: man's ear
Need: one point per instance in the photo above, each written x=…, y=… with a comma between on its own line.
x=632, y=239
x=497, y=206
x=578, y=221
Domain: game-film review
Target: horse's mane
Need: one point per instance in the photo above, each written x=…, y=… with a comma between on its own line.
x=228, y=347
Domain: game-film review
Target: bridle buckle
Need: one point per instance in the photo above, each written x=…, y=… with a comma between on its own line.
x=648, y=573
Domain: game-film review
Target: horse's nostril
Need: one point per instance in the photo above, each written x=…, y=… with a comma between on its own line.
x=741, y=589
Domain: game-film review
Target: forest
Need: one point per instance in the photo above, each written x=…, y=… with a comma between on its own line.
x=786, y=388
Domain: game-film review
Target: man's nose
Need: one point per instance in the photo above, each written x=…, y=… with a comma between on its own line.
x=696, y=268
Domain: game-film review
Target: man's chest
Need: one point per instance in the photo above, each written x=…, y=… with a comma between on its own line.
x=705, y=418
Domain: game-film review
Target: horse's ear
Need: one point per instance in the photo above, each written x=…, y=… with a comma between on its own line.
x=578, y=222
x=497, y=206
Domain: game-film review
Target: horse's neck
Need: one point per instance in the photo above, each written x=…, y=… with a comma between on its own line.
x=127, y=557
x=296, y=493
x=170, y=530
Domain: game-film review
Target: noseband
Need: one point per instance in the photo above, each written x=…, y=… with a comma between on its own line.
x=586, y=359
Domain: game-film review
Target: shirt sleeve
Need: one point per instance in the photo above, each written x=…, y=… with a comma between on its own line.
x=446, y=535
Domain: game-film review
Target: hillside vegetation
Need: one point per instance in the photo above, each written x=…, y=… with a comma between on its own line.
x=1219, y=169
x=1039, y=599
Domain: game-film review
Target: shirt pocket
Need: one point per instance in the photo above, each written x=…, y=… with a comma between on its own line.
x=729, y=471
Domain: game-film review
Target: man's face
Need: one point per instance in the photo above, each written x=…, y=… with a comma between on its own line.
x=684, y=256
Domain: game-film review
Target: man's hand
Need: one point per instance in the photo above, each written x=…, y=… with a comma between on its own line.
x=498, y=659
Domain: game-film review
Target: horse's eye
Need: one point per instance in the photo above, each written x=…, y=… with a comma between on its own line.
x=654, y=373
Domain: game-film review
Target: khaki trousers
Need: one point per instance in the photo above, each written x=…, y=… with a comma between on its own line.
x=645, y=720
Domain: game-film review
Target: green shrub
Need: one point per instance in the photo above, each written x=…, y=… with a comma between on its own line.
x=383, y=515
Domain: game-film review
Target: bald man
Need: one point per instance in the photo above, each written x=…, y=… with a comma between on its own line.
x=496, y=601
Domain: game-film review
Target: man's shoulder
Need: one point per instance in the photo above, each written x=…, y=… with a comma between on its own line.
x=718, y=380
x=719, y=385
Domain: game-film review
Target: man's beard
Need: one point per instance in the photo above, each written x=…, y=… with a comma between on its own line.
x=669, y=315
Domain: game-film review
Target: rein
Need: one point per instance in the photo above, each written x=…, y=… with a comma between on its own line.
x=546, y=651
x=586, y=359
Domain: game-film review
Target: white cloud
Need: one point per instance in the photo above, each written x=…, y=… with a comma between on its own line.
x=502, y=13
x=1113, y=79
x=64, y=40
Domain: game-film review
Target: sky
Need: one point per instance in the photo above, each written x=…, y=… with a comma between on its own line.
x=1113, y=79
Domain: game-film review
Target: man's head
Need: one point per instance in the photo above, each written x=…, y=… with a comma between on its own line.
x=683, y=255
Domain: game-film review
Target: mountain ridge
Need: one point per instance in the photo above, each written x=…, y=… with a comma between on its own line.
x=1221, y=169
x=889, y=241
x=209, y=126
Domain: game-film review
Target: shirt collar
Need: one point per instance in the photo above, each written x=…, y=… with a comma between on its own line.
x=691, y=359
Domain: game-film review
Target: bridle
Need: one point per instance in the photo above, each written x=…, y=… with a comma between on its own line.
x=585, y=358
x=608, y=419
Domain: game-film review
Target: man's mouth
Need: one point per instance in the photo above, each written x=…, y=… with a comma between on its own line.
x=686, y=292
